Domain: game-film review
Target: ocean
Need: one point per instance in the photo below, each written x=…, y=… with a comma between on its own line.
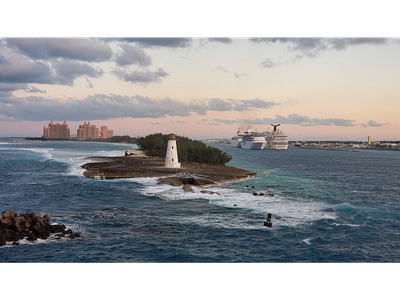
x=326, y=206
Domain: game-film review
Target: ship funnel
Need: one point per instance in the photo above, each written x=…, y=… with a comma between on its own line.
x=275, y=125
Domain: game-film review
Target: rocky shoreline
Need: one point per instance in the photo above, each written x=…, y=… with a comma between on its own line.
x=14, y=227
x=139, y=165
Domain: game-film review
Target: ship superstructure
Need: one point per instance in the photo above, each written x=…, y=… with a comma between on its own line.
x=276, y=139
x=253, y=140
x=236, y=140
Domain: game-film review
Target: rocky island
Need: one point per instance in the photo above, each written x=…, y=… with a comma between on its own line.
x=136, y=164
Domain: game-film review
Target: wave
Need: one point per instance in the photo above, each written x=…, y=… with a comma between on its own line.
x=285, y=211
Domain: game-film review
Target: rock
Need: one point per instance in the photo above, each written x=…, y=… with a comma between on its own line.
x=77, y=234
x=254, y=194
x=72, y=236
x=32, y=237
x=44, y=234
x=56, y=228
x=3, y=239
x=209, y=192
x=5, y=223
x=187, y=188
x=8, y=214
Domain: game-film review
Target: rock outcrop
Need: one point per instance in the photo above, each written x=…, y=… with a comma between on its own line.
x=14, y=227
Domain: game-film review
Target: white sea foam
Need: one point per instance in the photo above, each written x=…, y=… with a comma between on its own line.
x=45, y=152
x=285, y=212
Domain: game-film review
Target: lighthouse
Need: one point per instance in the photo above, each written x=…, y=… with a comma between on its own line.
x=171, y=159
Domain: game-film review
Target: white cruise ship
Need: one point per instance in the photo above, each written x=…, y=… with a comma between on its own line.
x=236, y=140
x=276, y=139
x=253, y=140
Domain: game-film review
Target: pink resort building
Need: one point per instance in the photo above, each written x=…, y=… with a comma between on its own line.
x=56, y=131
x=87, y=131
x=105, y=133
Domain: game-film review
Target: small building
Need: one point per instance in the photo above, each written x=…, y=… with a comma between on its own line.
x=171, y=158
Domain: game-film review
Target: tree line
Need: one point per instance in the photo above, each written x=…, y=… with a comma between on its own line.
x=188, y=150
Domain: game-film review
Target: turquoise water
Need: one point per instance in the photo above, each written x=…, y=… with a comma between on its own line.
x=327, y=206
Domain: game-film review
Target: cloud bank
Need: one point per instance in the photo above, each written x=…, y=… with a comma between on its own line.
x=104, y=107
x=293, y=119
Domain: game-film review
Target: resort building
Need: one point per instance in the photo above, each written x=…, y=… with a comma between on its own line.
x=56, y=131
x=105, y=133
x=87, y=131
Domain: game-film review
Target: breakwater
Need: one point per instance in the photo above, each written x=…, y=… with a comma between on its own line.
x=14, y=227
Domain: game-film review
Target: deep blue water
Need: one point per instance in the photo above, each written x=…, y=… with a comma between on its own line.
x=328, y=206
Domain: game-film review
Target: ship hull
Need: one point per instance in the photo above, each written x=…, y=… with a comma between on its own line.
x=253, y=145
x=236, y=143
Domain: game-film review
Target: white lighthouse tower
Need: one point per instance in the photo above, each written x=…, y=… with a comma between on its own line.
x=171, y=159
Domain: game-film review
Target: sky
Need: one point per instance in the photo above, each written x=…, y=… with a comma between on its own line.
x=317, y=88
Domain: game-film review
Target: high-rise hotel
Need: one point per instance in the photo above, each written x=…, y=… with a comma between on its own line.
x=84, y=132
x=87, y=131
x=105, y=133
x=56, y=131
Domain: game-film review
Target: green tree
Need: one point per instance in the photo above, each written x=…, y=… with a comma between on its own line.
x=188, y=150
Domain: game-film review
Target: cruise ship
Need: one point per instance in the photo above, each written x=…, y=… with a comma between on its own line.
x=253, y=140
x=276, y=139
x=236, y=140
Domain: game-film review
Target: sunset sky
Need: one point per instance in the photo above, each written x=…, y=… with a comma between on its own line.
x=317, y=88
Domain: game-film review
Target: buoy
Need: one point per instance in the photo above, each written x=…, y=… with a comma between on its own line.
x=268, y=223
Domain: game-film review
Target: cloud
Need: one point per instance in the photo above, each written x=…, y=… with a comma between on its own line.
x=32, y=89
x=67, y=71
x=372, y=123
x=243, y=105
x=132, y=55
x=95, y=107
x=268, y=63
x=219, y=105
x=89, y=82
x=140, y=77
x=156, y=42
x=88, y=50
x=293, y=119
x=215, y=104
x=235, y=74
x=104, y=107
x=221, y=40
x=313, y=47
x=17, y=68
